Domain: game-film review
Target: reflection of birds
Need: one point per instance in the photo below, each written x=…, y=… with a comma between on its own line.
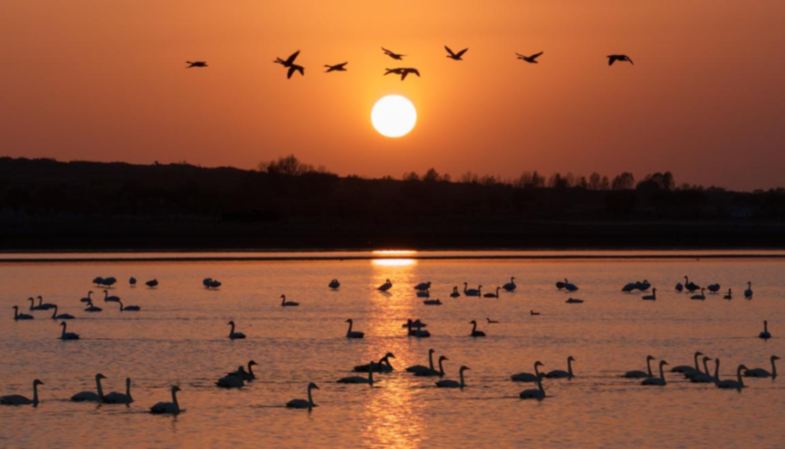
x=455, y=56
x=196, y=64
x=403, y=71
x=302, y=403
x=449, y=383
x=16, y=399
x=289, y=63
x=168, y=407
x=392, y=55
x=530, y=59
x=423, y=286
x=432, y=302
x=620, y=58
x=336, y=68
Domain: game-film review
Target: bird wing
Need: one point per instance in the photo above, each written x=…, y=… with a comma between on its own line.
x=537, y=55
x=450, y=51
x=611, y=59
x=415, y=71
x=403, y=74
x=292, y=57
x=300, y=69
x=342, y=65
x=629, y=59
x=460, y=53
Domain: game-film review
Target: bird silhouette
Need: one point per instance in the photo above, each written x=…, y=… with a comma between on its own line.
x=621, y=58
x=530, y=59
x=402, y=71
x=336, y=68
x=455, y=56
x=197, y=64
x=392, y=55
x=289, y=63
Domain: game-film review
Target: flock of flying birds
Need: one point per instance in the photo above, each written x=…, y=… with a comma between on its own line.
x=237, y=379
x=403, y=72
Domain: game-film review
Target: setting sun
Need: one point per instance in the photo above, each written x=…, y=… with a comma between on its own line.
x=393, y=116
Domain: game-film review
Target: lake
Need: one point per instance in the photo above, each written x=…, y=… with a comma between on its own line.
x=180, y=337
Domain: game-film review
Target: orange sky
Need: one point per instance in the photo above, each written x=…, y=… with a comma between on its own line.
x=105, y=80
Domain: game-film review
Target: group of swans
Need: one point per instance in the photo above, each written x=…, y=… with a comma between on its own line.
x=567, y=286
x=692, y=287
x=210, y=283
x=555, y=374
x=637, y=285
x=415, y=329
x=99, y=396
x=104, y=282
x=382, y=366
x=237, y=379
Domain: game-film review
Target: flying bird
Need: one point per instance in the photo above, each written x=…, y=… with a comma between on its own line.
x=197, y=64
x=621, y=58
x=530, y=59
x=403, y=71
x=455, y=56
x=336, y=68
x=289, y=63
x=393, y=55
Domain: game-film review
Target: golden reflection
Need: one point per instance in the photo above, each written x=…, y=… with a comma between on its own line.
x=394, y=252
x=394, y=262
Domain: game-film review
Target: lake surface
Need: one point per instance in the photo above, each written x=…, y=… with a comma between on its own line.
x=180, y=338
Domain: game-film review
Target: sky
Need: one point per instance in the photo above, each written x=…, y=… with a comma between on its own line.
x=106, y=81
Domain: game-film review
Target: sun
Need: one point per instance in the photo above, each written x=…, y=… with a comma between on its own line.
x=394, y=116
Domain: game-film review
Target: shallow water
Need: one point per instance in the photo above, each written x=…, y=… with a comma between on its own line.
x=180, y=338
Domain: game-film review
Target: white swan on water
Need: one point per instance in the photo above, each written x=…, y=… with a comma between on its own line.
x=21, y=316
x=765, y=334
x=358, y=379
x=302, y=403
x=67, y=335
x=561, y=374
x=89, y=396
x=120, y=398
x=760, y=372
x=420, y=368
x=235, y=335
x=353, y=334
x=172, y=408
x=449, y=383
x=510, y=286
x=657, y=381
x=641, y=374
x=285, y=303
x=16, y=399
x=539, y=392
x=62, y=316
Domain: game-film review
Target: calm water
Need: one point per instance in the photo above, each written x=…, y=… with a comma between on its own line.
x=180, y=337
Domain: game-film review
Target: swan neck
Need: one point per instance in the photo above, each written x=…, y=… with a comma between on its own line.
x=54, y=314
x=430, y=360
x=310, y=398
x=62, y=334
x=738, y=376
x=662, y=372
x=35, y=394
x=174, y=400
x=569, y=368
x=461, y=377
x=99, y=388
x=370, y=376
x=706, y=366
x=231, y=331
x=474, y=327
x=773, y=369
x=250, y=370
x=697, y=368
x=648, y=366
x=441, y=367
x=350, y=328
x=128, y=388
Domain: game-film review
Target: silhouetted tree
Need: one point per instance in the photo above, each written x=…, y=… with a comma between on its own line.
x=594, y=181
x=624, y=181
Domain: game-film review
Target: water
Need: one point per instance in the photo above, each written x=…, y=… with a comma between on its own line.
x=180, y=338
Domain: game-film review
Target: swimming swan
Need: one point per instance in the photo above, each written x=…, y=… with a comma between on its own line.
x=235, y=335
x=67, y=335
x=16, y=399
x=302, y=403
x=686, y=368
x=420, y=368
x=765, y=334
x=475, y=332
x=539, y=392
x=383, y=366
x=760, y=372
x=21, y=316
x=232, y=380
x=124, y=308
x=561, y=374
x=358, y=380
x=386, y=286
x=350, y=333
x=433, y=372
x=510, y=286
x=89, y=396
x=449, y=383
x=748, y=291
x=738, y=384
x=657, y=381
x=62, y=316
x=120, y=398
x=285, y=303
x=168, y=407
x=529, y=377
x=110, y=298
x=641, y=374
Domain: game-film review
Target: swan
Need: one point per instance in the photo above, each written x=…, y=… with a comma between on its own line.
x=448, y=383
x=643, y=286
x=350, y=334
x=110, y=298
x=44, y=306
x=704, y=377
x=432, y=302
x=539, y=392
x=110, y=281
x=423, y=369
x=679, y=287
x=285, y=303
x=392, y=55
x=738, y=384
x=245, y=375
x=235, y=335
x=132, y=282
x=684, y=369
x=510, y=286
x=641, y=374
x=765, y=334
x=713, y=288
x=760, y=372
x=652, y=297
x=232, y=380
x=529, y=377
x=533, y=313
x=358, y=379
x=455, y=293
x=98, y=281
x=614, y=58
x=302, y=403
x=748, y=291
x=690, y=286
x=32, y=304
x=423, y=294
x=124, y=308
x=88, y=298
x=475, y=332
x=560, y=285
x=492, y=295
x=62, y=316
x=729, y=295
x=422, y=286
x=629, y=287
x=16, y=399
x=211, y=283
x=334, y=284
x=386, y=286
x=574, y=301
x=453, y=55
x=701, y=296
x=561, y=374
x=67, y=335
x=383, y=366
x=92, y=308
x=419, y=332
x=471, y=291
x=490, y=321
x=432, y=372
x=410, y=323
x=570, y=287
x=21, y=316
x=120, y=398
x=152, y=284
x=657, y=381
x=168, y=407
x=89, y=396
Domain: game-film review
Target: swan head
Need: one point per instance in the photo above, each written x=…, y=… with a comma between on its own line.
x=706, y=359
x=472, y=322
x=313, y=386
x=570, y=359
x=648, y=357
x=349, y=320
x=31, y=299
x=537, y=364
x=106, y=291
x=37, y=382
x=774, y=357
x=743, y=368
x=62, y=323
x=15, y=307
x=175, y=389
x=128, y=381
x=463, y=368
x=100, y=376
x=252, y=363
x=431, y=351
x=442, y=358
x=389, y=355
x=663, y=363
x=230, y=323
x=698, y=354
